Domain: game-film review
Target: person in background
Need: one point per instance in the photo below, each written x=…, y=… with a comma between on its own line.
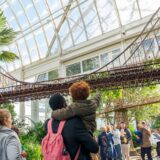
x=146, y=141
x=10, y=147
x=125, y=140
x=102, y=142
x=117, y=142
x=111, y=153
x=155, y=140
x=23, y=153
x=138, y=134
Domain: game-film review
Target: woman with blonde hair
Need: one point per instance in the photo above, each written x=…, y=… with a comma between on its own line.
x=10, y=147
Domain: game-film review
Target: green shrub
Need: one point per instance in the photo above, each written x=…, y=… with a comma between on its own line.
x=33, y=151
x=31, y=140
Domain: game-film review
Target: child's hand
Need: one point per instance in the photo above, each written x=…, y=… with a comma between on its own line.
x=24, y=154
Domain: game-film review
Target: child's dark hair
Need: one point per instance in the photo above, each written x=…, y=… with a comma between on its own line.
x=57, y=101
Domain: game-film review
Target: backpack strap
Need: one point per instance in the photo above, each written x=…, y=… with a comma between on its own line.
x=50, y=126
x=78, y=153
x=60, y=128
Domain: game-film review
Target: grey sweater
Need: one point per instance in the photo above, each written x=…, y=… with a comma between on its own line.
x=9, y=144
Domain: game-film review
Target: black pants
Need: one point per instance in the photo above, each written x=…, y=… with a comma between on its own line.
x=158, y=148
x=145, y=151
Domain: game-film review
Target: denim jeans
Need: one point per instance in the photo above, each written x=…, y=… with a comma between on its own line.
x=145, y=151
x=118, y=151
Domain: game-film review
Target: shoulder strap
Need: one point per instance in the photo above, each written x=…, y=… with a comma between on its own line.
x=50, y=126
x=60, y=128
x=78, y=153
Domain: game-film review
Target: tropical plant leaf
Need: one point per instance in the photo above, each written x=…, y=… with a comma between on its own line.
x=2, y=21
x=7, y=35
x=7, y=56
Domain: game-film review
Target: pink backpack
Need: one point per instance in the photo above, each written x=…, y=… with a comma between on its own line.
x=53, y=147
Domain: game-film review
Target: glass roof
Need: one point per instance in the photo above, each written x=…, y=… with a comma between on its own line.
x=47, y=27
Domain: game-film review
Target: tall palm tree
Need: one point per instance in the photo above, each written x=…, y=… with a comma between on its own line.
x=7, y=36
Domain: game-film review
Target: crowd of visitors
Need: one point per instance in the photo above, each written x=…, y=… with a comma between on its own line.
x=69, y=133
x=117, y=142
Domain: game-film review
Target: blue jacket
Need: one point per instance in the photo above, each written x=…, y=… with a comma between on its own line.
x=102, y=142
x=139, y=134
x=111, y=153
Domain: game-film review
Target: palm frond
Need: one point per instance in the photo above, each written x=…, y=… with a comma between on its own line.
x=7, y=34
x=7, y=56
x=3, y=21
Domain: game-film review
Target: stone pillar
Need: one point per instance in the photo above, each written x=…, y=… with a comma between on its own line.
x=22, y=110
x=47, y=109
x=35, y=110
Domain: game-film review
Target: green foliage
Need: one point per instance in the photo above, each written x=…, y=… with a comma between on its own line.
x=10, y=107
x=152, y=64
x=31, y=140
x=34, y=134
x=156, y=123
x=33, y=151
x=146, y=112
x=7, y=56
x=7, y=36
x=132, y=129
x=108, y=97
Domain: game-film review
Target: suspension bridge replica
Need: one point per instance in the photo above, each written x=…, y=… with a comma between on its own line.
x=137, y=66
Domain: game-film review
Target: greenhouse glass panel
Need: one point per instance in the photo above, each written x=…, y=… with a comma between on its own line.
x=53, y=75
x=107, y=13
x=41, y=8
x=149, y=45
x=31, y=14
x=11, y=19
x=115, y=53
x=32, y=47
x=23, y=51
x=91, y=19
x=55, y=47
x=77, y=26
x=90, y=64
x=66, y=40
x=104, y=58
x=42, y=45
x=148, y=7
x=49, y=31
x=73, y=69
x=55, y=6
x=128, y=10
x=13, y=48
x=42, y=77
x=10, y=66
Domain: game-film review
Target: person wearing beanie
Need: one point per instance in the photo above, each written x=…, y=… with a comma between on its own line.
x=74, y=133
